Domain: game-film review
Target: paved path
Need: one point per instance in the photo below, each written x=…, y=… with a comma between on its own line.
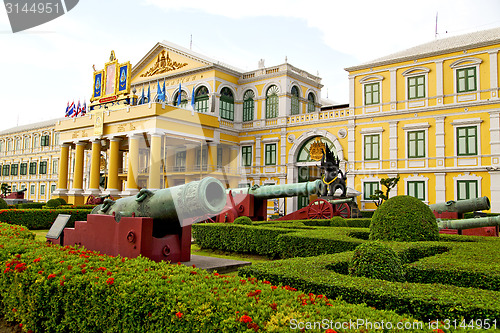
x=211, y=264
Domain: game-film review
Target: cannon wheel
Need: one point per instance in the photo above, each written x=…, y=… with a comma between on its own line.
x=342, y=210
x=90, y=200
x=320, y=209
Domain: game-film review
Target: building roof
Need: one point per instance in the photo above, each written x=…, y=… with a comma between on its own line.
x=29, y=127
x=437, y=47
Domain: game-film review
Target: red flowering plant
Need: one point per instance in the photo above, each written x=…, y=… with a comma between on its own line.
x=141, y=295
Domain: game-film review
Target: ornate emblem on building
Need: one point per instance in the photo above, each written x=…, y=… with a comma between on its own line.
x=163, y=64
x=317, y=150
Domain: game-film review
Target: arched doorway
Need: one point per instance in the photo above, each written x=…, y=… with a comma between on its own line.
x=307, y=168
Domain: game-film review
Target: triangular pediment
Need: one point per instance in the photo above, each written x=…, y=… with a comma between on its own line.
x=167, y=59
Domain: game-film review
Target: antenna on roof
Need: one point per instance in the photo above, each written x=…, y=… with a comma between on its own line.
x=436, y=30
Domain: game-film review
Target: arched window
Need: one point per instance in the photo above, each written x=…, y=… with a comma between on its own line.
x=303, y=155
x=201, y=99
x=248, y=105
x=226, y=106
x=310, y=103
x=184, y=99
x=295, y=100
x=272, y=102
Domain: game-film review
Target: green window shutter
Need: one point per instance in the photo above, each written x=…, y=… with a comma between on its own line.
x=467, y=141
x=248, y=105
x=271, y=154
x=466, y=79
x=246, y=155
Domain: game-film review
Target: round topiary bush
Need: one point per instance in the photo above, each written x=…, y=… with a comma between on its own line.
x=61, y=200
x=376, y=260
x=404, y=218
x=3, y=204
x=338, y=221
x=243, y=220
x=53, y=203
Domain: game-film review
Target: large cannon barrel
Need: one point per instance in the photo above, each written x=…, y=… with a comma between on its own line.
x=462, y=206
x=281, y=191
x=180, y=203
x=490, y=221
x=341, y=201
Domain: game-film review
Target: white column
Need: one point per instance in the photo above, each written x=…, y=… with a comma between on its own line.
x=439, y=83
x=440, y=187
x=393, y=144
x=495, y=138
x=495, y=191
x=494, y=73
x=440, y=143
x=393, y=85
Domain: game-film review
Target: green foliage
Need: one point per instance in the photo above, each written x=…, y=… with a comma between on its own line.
x=30, y=205
x=389, y=184
x=404, y=218
x=275, y=241
x=243, y=220
x=421, y=297
x=367, y=213
x=61, y=200
x=36, y=219
x=337, y=221
x=53, y=203
x=3, y=204
x=377, y=261
x=64, y=289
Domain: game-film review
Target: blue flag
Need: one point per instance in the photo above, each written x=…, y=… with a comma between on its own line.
x=149, y=94
x=192, y=100
x=179, y=97
x=158, y=90
x=66, y=114
x=142, y=97
x=164, y=91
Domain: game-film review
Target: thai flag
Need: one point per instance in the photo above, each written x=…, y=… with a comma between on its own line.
x=78, y=109
x=84, y=108
x=66, y=114
x=72, y=111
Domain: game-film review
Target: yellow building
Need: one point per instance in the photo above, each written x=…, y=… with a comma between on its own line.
x=429, y=114
x=29, y=159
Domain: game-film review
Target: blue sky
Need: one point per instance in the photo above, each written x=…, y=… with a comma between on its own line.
x=45, y=67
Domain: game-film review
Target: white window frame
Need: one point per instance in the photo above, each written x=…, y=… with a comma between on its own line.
x=467, y=176
x=470, y=122
x=370, y=79
x=467, y=96
x=412, y=72
x=417, y=178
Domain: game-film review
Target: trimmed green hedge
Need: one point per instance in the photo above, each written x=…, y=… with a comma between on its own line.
x=64, y=289
x=36, y=219
x=280, y=240
x=355, y=223
x=326, y=275
x=30, y=205
x=239, y=238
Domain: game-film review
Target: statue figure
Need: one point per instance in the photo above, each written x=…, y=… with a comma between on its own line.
x=332, y=176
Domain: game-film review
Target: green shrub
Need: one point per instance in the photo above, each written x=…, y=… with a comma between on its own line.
x=3, y=204
x=326, y=274
x=377, y=261
x=243, y=220
x=36, y=219
x=367, y=213
x=30, y=205
x=404, y=218
x=53, y=203
x=61, y=200
x=64, y=289
x=338, y=221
